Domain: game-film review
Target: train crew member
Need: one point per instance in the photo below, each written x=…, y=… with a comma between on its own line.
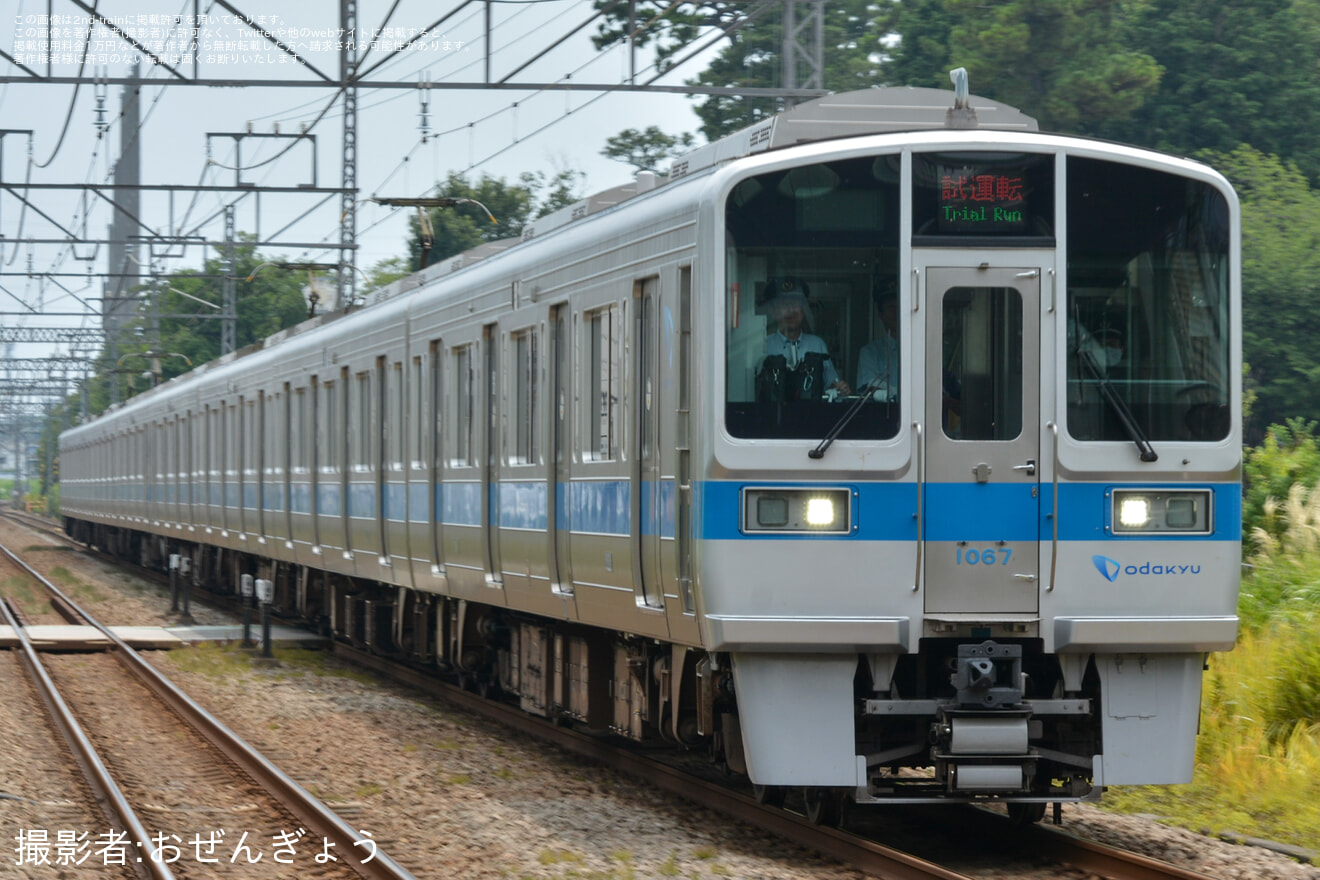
x=1104, y=346
x=877, y=364
x=788, y=307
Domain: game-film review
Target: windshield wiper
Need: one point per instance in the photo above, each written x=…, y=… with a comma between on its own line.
x=1119, y=406
x=843, y=422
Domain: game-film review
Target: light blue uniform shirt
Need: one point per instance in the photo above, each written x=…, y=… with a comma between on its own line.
x=794, y=350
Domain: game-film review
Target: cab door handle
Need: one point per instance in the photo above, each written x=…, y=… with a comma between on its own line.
x=1029, y=467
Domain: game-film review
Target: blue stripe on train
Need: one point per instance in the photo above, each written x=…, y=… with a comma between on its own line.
x=881, y=511
x=969, y=512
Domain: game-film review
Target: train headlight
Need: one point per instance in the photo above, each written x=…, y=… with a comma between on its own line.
x=1139, y=511
x=820, y=512
x=826, y=511
x=1134, y=512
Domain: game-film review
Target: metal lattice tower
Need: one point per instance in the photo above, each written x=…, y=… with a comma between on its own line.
x=348, y=198
x=794, y=51
x=229, y=295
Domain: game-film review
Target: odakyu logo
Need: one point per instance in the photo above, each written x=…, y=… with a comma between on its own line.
x=1110, y=569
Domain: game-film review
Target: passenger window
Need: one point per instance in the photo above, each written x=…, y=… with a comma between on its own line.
x=330, y=437
x=605, y=382
x=362, y=449
x=417, y=410
x=297, y=443
x=525, y=411
x=463, y=403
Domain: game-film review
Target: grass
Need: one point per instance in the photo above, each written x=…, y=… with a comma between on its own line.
x=69, y=582
x=324, y=663
x=212, y=661
x=23, y=591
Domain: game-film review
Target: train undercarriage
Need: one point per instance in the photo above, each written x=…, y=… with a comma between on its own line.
x=962, y=720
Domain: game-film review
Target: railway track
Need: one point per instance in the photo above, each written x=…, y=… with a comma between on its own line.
x=192, y=802
x=854, y=849
x=1069, y=853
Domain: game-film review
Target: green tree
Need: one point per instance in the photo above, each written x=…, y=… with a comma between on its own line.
x=271, y=301
x=550, y=192
x=1069, y=63
x=465, y=226
x=189, y=329
x=919, y=54
x=1235, y=73
x=753, y=52
x=646, y=150
x=1280, y=276
x=385, y=272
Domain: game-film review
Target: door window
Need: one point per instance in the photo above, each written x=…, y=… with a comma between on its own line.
x=981, y=378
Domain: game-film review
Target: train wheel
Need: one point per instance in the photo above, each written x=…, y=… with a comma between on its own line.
x=824, y=806
x=1026, y=814
x=770, y=795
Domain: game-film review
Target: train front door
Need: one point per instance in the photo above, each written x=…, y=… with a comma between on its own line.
x=982, y=459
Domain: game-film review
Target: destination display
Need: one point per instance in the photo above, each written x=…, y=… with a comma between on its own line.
x=975, y=200
x=983, y=194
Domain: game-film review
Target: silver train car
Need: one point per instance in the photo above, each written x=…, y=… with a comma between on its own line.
x=631, y=470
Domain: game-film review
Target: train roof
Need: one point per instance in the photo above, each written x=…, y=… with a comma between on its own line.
x=842, y=115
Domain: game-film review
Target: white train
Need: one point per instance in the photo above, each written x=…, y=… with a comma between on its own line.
x=638, y=468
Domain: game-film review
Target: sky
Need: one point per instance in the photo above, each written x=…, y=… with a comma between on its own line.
x=499, y=132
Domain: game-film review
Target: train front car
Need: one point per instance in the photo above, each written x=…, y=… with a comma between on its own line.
x=971, y=516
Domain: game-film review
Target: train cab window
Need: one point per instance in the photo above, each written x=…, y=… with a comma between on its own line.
x=1147, y=330
x=811, y=263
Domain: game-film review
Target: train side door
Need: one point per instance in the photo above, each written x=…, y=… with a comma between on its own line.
x=559, y=470
x=645, y=472
x=490, y=456
x=982, y=400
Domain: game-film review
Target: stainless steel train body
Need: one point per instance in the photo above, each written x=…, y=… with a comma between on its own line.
x=567, y=467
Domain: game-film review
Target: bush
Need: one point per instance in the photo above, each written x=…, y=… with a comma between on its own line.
x=1295, y=682
x=1285, y=570
x=1289, y=455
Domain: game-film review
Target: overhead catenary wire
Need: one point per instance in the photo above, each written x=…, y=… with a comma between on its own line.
x=327, y=111
x=139, y=125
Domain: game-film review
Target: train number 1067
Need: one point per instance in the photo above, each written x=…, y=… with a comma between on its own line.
x=988, y=556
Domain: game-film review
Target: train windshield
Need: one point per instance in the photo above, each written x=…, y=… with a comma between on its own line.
x=1147, y=304
x=812, y=269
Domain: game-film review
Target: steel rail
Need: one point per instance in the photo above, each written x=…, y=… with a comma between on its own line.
x=1088, y=856
x=309, y=810
x=1096, y=858
x=107, y=793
